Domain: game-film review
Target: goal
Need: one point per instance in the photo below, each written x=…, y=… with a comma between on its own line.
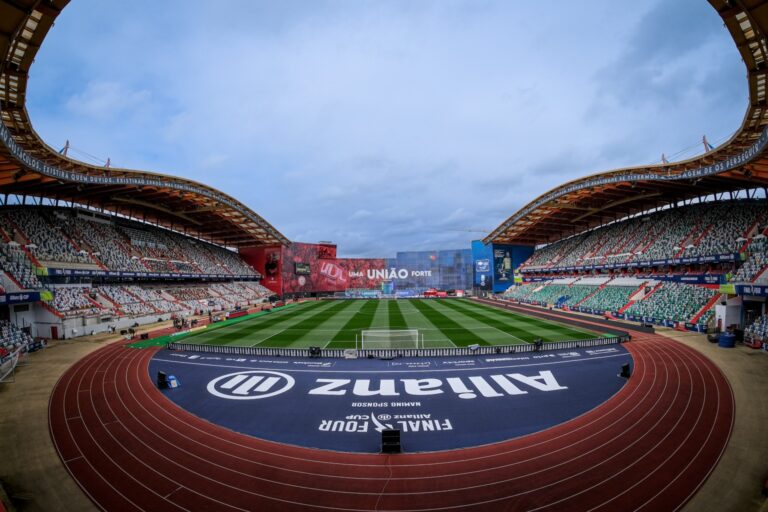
x=388, y=338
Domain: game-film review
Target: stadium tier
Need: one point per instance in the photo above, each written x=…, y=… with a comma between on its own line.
x=12, y=339
x=16, y=268
x=609, y=298
x=647, y=300
x=135, y=300
x=75, y=239
x=70, y=267
x=707, y=229
x=757, y=330
x=673, y=301
x=598, y=271
x=720, y=242
x=665, y=267
x=754, y=269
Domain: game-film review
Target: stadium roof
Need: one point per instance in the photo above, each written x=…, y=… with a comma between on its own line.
x=30, y=168
x=739, y=164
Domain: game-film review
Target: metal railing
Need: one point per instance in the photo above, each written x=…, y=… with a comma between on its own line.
x=392, y=353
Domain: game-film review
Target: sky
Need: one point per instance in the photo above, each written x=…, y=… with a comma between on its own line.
x=386, y=125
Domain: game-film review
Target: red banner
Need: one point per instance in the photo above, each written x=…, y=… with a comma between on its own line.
x=309, y=268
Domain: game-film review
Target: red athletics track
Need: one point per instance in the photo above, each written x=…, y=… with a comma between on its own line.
x=649, y=447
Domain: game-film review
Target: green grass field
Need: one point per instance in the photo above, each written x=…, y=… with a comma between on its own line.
x=335, y=323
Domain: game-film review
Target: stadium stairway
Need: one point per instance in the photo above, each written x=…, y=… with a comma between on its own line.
x=591, y=294
x=711, y=302
x=17, y=229
x=644, y=244
x=598, y=247
x=632, y=297
x=52, y=310
x=118, y=310
x=699, y=238
x=98, y=262
x=653, y=290
x=685, y=241
x=95, y=303
x=31, y=256
x=10, y=280
x=751, y=229
x=142, y=301
x=76, y=246
x=621, y=247
x=763, y=274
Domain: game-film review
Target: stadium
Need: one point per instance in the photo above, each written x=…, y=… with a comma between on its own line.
x=165, y=347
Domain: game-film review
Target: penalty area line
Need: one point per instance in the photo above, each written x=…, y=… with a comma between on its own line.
x=281, y=331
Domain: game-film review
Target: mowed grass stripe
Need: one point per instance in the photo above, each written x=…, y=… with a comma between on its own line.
x=549, y=331
x=396, y=318
x=458, y=335
x=490, y=334
x=345, y=338
x=238, y=331
x=290, y=335
x=318, y=335
x=575, y=332
x=520, y=336
x=431, y=336
x=523, y=332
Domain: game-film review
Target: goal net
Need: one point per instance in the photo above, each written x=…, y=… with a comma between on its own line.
x=388, y=338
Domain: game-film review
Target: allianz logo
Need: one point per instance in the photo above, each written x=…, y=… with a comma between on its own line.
x=257, y=384
x=250, y=385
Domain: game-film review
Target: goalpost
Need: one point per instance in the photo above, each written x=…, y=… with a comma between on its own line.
x=391, y=338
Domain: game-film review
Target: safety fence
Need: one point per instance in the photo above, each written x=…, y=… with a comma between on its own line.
x=390, y=353
x=8, y=365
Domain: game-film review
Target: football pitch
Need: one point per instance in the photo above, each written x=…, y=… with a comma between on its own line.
x=337, y=324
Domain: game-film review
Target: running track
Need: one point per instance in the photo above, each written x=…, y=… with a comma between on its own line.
x=649, y=447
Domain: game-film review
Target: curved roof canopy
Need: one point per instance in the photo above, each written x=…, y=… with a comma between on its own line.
x=29, y=167
x=741, y=163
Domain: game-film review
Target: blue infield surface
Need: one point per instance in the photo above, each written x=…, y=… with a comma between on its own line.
x=437, y=403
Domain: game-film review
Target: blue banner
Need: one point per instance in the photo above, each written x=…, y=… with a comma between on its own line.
x=751, y=289
x=506, y=259
x=682, y=278
x=482, y=256
x=717, y=258
x=19, y=298
x=693, y=279
x=142, y=275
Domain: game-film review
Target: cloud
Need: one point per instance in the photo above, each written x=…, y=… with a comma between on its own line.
x=678, y=60
x=386, y=126
x=361, y=214
x=106, y=100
